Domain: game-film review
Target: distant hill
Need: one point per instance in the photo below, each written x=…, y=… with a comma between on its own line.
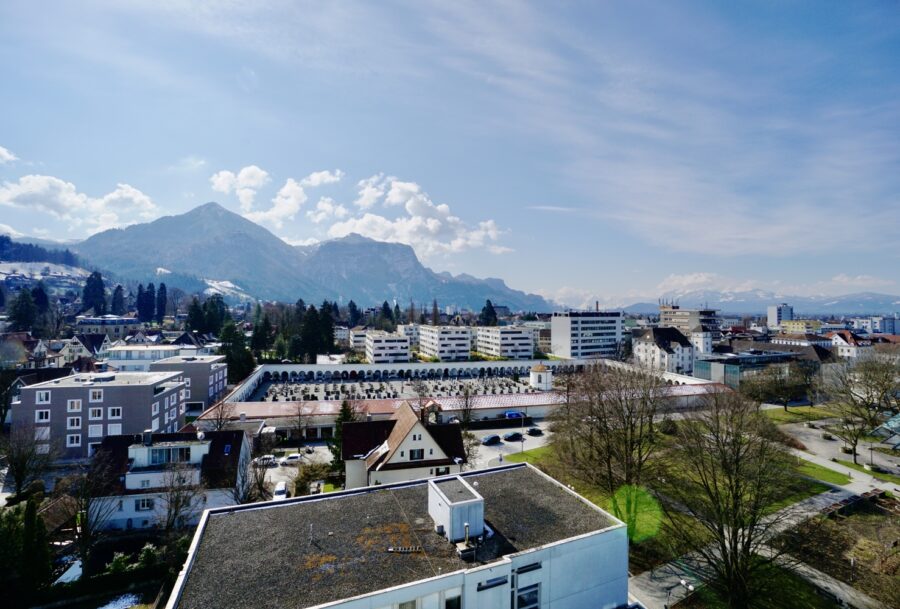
x=235, y=256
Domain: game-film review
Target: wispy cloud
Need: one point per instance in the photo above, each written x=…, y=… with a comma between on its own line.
x=6, y=156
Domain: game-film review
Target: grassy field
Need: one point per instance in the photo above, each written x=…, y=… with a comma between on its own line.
x=799, y=414
x=807, y=468
x=876, y=475
x=533, y=456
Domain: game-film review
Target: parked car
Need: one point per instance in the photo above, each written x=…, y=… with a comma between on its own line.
x=514, y=414
x=535, y=431
x=309, y=450
x=513, y=436
x=266, y=461
x=290, y=459
x=280, y=491
x=490, y=439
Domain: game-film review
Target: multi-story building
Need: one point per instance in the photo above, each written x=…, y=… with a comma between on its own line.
x=875, y=325
x=664, y=349
x=202, y=470
x=847, y=344
x=800, y=326
x=502, y=538
x=410, y=331
x=446, y=343
x=138, y=357
x=204, y=376
x=731, y=368
x=778, y=313
x=586, y=334
x=76, y=412
x=114, y=326
x=673, y=316
x=384, y=348
x=94, y=346
x=802, y=340
x=341, y=335
x=358, y=338
x=507, y=342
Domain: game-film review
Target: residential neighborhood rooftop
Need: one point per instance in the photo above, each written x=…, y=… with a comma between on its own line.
x=107, y=379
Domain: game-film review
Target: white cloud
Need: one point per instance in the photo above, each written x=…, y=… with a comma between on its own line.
x=51, y=195
x=429, y=228
x=6, y=229
x=245, y=184
x=285, y=205
x=319, y=178
x=296, y=242
x=327, y=208
x=6, y=156
x=371, y=190
x=188, y=164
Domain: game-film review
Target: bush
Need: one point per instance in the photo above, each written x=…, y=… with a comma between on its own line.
x=668, y=427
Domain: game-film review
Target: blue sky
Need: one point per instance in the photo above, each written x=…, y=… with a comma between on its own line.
x=595, y=150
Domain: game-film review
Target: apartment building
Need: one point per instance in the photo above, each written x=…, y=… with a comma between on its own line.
x=384, y=348
x=204, y=376
x=685, y=320
x=508, y=342
x=446, y=343
x=779, y=313
x=586, y=334
x=664, y=349
x=357, y=338
x=76, y=412
x=114, y=326
x=501, y=538
x=876, y=325
x=801, y=326
x=410, y=331
x=847, y=344
x=138, y=357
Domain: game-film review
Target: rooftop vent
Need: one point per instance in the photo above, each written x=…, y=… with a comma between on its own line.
x=456, y=508
x=147, y=437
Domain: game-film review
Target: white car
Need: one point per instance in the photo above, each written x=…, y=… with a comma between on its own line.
x=266, y=461
x=290, y=459
x=280, y=491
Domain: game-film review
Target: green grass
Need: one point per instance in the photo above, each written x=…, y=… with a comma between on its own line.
x=808, y=468
x=799, y=414
x=330, y=487
x=533, y=456
x=877, y=475
x=803, y=489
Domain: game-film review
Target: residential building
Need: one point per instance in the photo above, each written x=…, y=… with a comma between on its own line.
x=400, y=448
x=204, y=376
x=507, y=342
x=94, y=346
x=410, y=331
x=665, y=349
x=673, y=316
x=502, y=538
x=847, y=344
x=76, y=412
x=203, y=470
x=384, y=348
x=832, y=325
x=586, y=334
x=778, y=313
x=446, y=343
x=800, y=326
x=341, y=335
x=24, y=351
x=138, y=357
x=803, y=340
x=358, y=338
x=114, y=326
x=875, y=325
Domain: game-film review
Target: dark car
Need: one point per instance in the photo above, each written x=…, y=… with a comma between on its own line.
x=535, y=431
x=514, y=414
x=491, y=439
x=513, y=436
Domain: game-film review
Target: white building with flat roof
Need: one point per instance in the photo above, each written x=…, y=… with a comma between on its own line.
x=410, y=331
x=508, y=342
x=384, y=348
x=446, y=343
x=137, y=358
x=778, y=313
x=586, y=334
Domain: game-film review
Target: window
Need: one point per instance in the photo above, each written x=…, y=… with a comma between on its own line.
x=187, y=394
x=408, y=605
x=160, y=456
x=73, y=440
x=73, y=405
x=187, y=382
x=121, y=505
x=114, y=429
x=42, y=449
x=416, y=454
x=95, y=414
x=114, y=412
x=144, y=504
x=145, y=483
x=154, y=410
x=41, y=433
x=42, y=397
x=73, y=423
x=453, y=599
x=96, y=395
x=529, y=597
x=95, y=431
x=41, y=416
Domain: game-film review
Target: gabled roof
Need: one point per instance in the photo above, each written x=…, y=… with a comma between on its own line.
x=666, y=338
x=92, y=342
x=34, y=376
x=404, y=420
x=849, y=337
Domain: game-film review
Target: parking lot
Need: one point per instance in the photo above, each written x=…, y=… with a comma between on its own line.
x=489, y=456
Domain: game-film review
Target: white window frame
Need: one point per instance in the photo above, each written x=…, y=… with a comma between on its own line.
x=187, y=382
x=143, y=504
x=39, y=416
x=73, y=405
x=42, y=396
x=154, y=410
x=92, y=411
x=73, y=440
x=91, y=396
x=114, y=429
x=111, y=416
x=42, y=449
x=95, y=431
x=41, y=434
x=73, y=422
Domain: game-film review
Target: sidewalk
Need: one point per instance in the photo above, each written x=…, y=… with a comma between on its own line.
x=859, y=482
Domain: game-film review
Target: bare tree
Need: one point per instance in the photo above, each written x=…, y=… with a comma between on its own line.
x=420, y=389
x=725, y=472
x=300, y=421
x=27, y=459
x=181, y=496
x=857, y=391
x=468, y=406
x=219, y=414
x=780, y=385
x=259, y=490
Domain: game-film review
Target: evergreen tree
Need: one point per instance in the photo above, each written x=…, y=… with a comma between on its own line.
x=139, y=301
x=35, y=563
x=149, y=309
x=238, y=357
x=335, y=311
x=411, y=314
x=326, y=328
x=488, y=315
x=311, y=333
x=41, y=300
x=435, y=314
x=353, y=314
x=386, y=311
x=281, y=347
x=397, y=314
x=196, y=319
x=335, y=445
x=94, y=294
x=216, y=313
x=22, y=312
x=2, y=297
x=118, y=301
x=162, y=300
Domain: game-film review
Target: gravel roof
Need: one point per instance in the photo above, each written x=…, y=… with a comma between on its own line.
x=304, y=552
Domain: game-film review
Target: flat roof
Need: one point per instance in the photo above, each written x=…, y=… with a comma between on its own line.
x=109, y=379
x=455, y=490
x=324, y=548
x=191, y=359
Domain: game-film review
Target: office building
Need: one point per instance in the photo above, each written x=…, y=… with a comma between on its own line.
x=114, y=326
x=778, y=313
x=384, y=348
x=586, y=334
x=507, y=342
x=673, y=316
x=446, y=343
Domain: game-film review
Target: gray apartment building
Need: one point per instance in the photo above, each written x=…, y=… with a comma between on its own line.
x=204, y=376
x=73, y=414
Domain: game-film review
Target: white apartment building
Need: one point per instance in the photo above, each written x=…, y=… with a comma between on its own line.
x=586, y=334
x=847, y=344
x=410, y=331
x=384, y=348
x=501, y=538
x=137, y=358
x=358, y=338
x=341, y=335
x=778, y=313
x=664, y=349
x=508, y=342
x=447, y=343
x=876, y=325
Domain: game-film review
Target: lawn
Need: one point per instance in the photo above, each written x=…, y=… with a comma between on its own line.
x=808, y=468
x=876, y=475
x=786, y=591
x=799, y=414
x=533, y=456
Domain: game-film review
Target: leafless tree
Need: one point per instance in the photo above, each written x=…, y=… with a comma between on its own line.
x=725, y=472
x=420, y=389
x=300, y=421
x=780, y=385
x=26, y=458
x=259, y=489
x=468, y=406
x=219, y=414
x=181, y=496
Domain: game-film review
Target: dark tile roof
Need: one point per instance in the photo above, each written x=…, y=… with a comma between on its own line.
x=32, y=376
x=91, y=342
x=314, y=550
x=360, y=437
x=665, y=338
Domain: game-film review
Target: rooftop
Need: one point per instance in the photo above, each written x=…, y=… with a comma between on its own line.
x=336, y=545
x=191, y=359
x=108, y=379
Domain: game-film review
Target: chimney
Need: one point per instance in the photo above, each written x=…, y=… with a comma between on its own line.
x=148, y=437
x=597, y=305
x=243, y=416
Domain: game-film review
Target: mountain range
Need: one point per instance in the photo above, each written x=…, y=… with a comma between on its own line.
x=217, y=250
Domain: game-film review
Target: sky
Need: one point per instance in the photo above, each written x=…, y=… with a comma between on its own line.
x=585, y=151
